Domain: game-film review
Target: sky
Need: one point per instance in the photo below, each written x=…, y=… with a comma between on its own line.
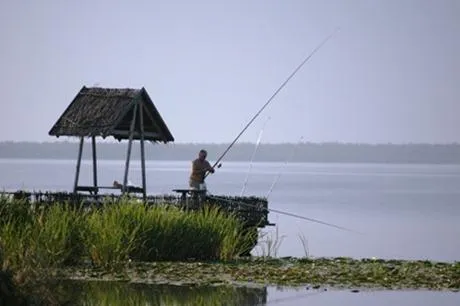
x=390, y=75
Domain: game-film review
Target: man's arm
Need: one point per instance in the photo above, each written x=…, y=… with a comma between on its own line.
x=209, y=168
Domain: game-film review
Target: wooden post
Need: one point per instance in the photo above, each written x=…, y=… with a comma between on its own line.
x=77, y=172
x=128, y=154
x=141, y=116
x=93, y=143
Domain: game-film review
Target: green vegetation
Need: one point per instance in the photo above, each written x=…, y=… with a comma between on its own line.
x=49, y=238
x=130, y=231
x=36, y=241
x=332, y=272
x=60, y=235
x=42, y=246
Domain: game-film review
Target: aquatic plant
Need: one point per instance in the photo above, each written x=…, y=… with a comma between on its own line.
x=304, y=242
x=58, y=235
x=48, y=238
x=111, y=233
x=311, y=272
x=17, y=211
x=23, y=286
x=270, y=243
x=127, y=231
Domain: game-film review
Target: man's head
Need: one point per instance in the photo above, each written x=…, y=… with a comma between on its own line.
x=202, y=155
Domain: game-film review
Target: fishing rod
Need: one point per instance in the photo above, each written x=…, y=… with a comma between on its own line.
x=275, y=181
x=284, y=213
x=253, y=155
x=274, y=95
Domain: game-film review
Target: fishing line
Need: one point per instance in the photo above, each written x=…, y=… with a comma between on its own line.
x=275, y=94
x=253, y=155
x=285, y=213
x=275, y=181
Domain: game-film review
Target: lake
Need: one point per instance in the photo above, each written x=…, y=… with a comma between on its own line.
x=117, y=293
x=400, y=211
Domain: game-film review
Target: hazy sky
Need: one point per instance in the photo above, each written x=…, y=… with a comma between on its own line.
x=392, y=74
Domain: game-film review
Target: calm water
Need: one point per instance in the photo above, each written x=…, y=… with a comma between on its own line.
x=113, y=294
x=402, y=211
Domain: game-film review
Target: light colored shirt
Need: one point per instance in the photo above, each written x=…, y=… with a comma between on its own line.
x=199, y=168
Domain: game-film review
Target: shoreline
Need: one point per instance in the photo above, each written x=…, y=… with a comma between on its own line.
x=87, y=160
x=334, y=273
x=447, y=153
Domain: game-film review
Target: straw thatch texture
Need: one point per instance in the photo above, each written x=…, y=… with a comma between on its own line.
x=109, y=112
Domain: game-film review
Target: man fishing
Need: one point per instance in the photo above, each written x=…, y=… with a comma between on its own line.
x=199, y=168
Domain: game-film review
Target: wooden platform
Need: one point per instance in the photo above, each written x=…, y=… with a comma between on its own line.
x=253, y=211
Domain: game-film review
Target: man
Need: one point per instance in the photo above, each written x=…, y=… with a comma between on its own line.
x=199, y=168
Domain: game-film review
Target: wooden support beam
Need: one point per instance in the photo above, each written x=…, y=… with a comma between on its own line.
x=93, y=144
x=128, y=154
x=77, y=172
x=141, y=116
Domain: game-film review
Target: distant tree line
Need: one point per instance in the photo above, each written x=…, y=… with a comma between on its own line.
x=304, y=152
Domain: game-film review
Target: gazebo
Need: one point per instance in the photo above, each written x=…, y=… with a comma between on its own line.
x=123, y=113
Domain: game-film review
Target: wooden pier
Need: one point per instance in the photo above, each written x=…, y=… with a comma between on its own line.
x=252, y=211
x=128, y=114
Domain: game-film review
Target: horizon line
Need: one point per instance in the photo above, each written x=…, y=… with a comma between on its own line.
x=453, y=143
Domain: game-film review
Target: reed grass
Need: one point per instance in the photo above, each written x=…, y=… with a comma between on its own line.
x=131, y=231
x=115, y=234
x=44, y=239
x=269, y=244
x=304, y=242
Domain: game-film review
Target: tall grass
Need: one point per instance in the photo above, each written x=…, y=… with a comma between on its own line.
x=131, y=231
x=112, y=233
x=49, y=238
x=61, y=235
x=304, y=242
x=30, y=241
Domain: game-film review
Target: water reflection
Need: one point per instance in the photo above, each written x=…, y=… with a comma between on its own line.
x=121, y=293
x=102, y=293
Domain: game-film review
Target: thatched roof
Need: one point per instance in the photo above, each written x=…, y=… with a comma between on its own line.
x=108, y=112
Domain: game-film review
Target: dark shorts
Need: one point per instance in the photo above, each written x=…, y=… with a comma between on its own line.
x=194, y=184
